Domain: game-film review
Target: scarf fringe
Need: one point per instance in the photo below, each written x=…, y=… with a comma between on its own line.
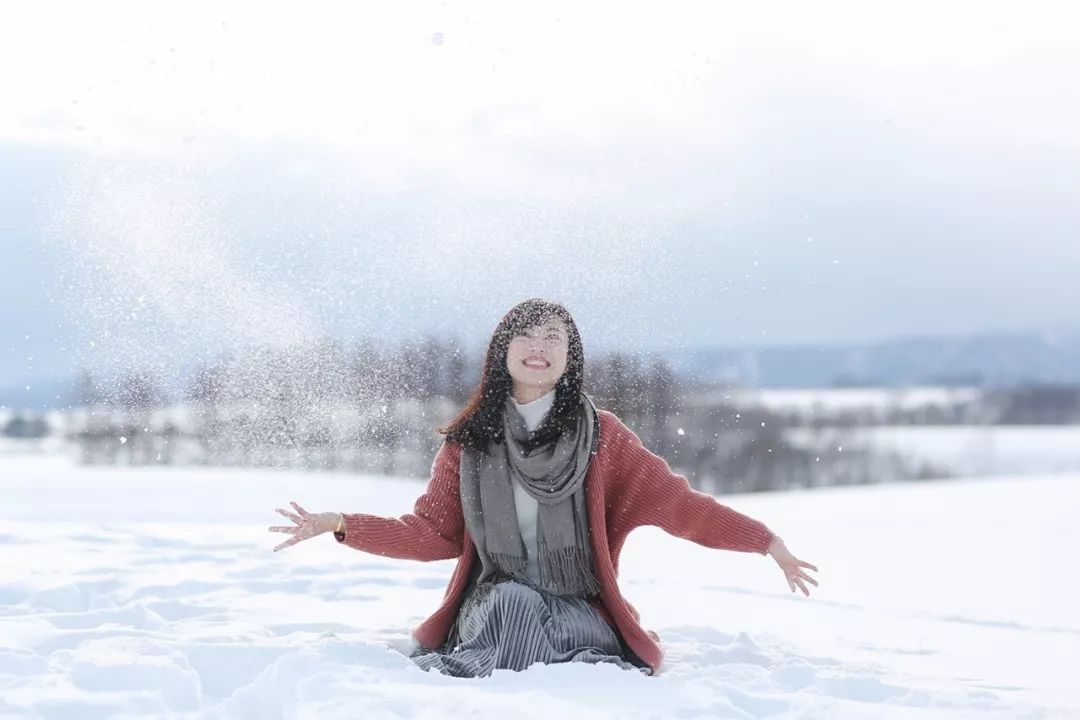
x=567, y=569
x=511, y=564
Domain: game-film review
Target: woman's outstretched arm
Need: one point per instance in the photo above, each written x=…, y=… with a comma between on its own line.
x=434, y=530
x=648, y=492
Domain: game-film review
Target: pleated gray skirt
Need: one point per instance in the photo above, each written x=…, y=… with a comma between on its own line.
x=510, y=625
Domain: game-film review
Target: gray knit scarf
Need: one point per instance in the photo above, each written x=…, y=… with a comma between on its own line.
x=554, y=474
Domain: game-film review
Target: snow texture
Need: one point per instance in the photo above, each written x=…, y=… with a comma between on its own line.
x=149, y=593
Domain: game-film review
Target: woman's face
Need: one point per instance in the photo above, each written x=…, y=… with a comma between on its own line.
x=537, y=358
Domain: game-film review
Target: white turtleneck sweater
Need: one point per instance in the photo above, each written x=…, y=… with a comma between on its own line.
x=533, y=413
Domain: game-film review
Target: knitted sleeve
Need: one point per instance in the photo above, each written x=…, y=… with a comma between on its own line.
x=645, y=491
x=434, y=530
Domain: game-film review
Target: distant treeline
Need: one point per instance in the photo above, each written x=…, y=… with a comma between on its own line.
x=365, y=407
x=374, y=408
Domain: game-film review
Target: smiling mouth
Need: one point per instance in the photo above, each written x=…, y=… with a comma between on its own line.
x=535, y=365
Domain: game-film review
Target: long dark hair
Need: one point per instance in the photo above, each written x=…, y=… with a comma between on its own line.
x=481, y=421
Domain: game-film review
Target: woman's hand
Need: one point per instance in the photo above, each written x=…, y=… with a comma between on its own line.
x=308, y=525
x=791, y=566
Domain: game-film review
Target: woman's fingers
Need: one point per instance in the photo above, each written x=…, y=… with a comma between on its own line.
x=301, y=531
x=291, y=541
x=795, y=578
x=791, y=566
x=292, y=516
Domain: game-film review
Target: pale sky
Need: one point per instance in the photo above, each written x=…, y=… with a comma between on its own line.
x=676, y=173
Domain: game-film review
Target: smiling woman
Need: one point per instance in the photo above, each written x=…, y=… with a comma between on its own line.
x=535, y=490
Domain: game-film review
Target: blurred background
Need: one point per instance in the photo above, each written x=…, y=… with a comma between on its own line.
x=805, y=245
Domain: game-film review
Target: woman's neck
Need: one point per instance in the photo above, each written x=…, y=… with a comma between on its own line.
x=525, y=394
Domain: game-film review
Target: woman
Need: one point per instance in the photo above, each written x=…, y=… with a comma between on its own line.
x=534, y=490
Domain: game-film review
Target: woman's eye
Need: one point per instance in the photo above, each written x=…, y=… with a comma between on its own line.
x=555, y=337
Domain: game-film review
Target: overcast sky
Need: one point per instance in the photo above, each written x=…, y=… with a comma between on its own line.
x=181, y=180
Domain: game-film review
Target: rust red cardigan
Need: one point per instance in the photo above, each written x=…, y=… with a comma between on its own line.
x=627, y=486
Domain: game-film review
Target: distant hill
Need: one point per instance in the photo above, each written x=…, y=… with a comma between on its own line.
x=991, y=360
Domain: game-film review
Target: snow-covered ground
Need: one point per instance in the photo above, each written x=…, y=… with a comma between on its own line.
x=979, y=450
x=153, y=593
x=962, y=450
